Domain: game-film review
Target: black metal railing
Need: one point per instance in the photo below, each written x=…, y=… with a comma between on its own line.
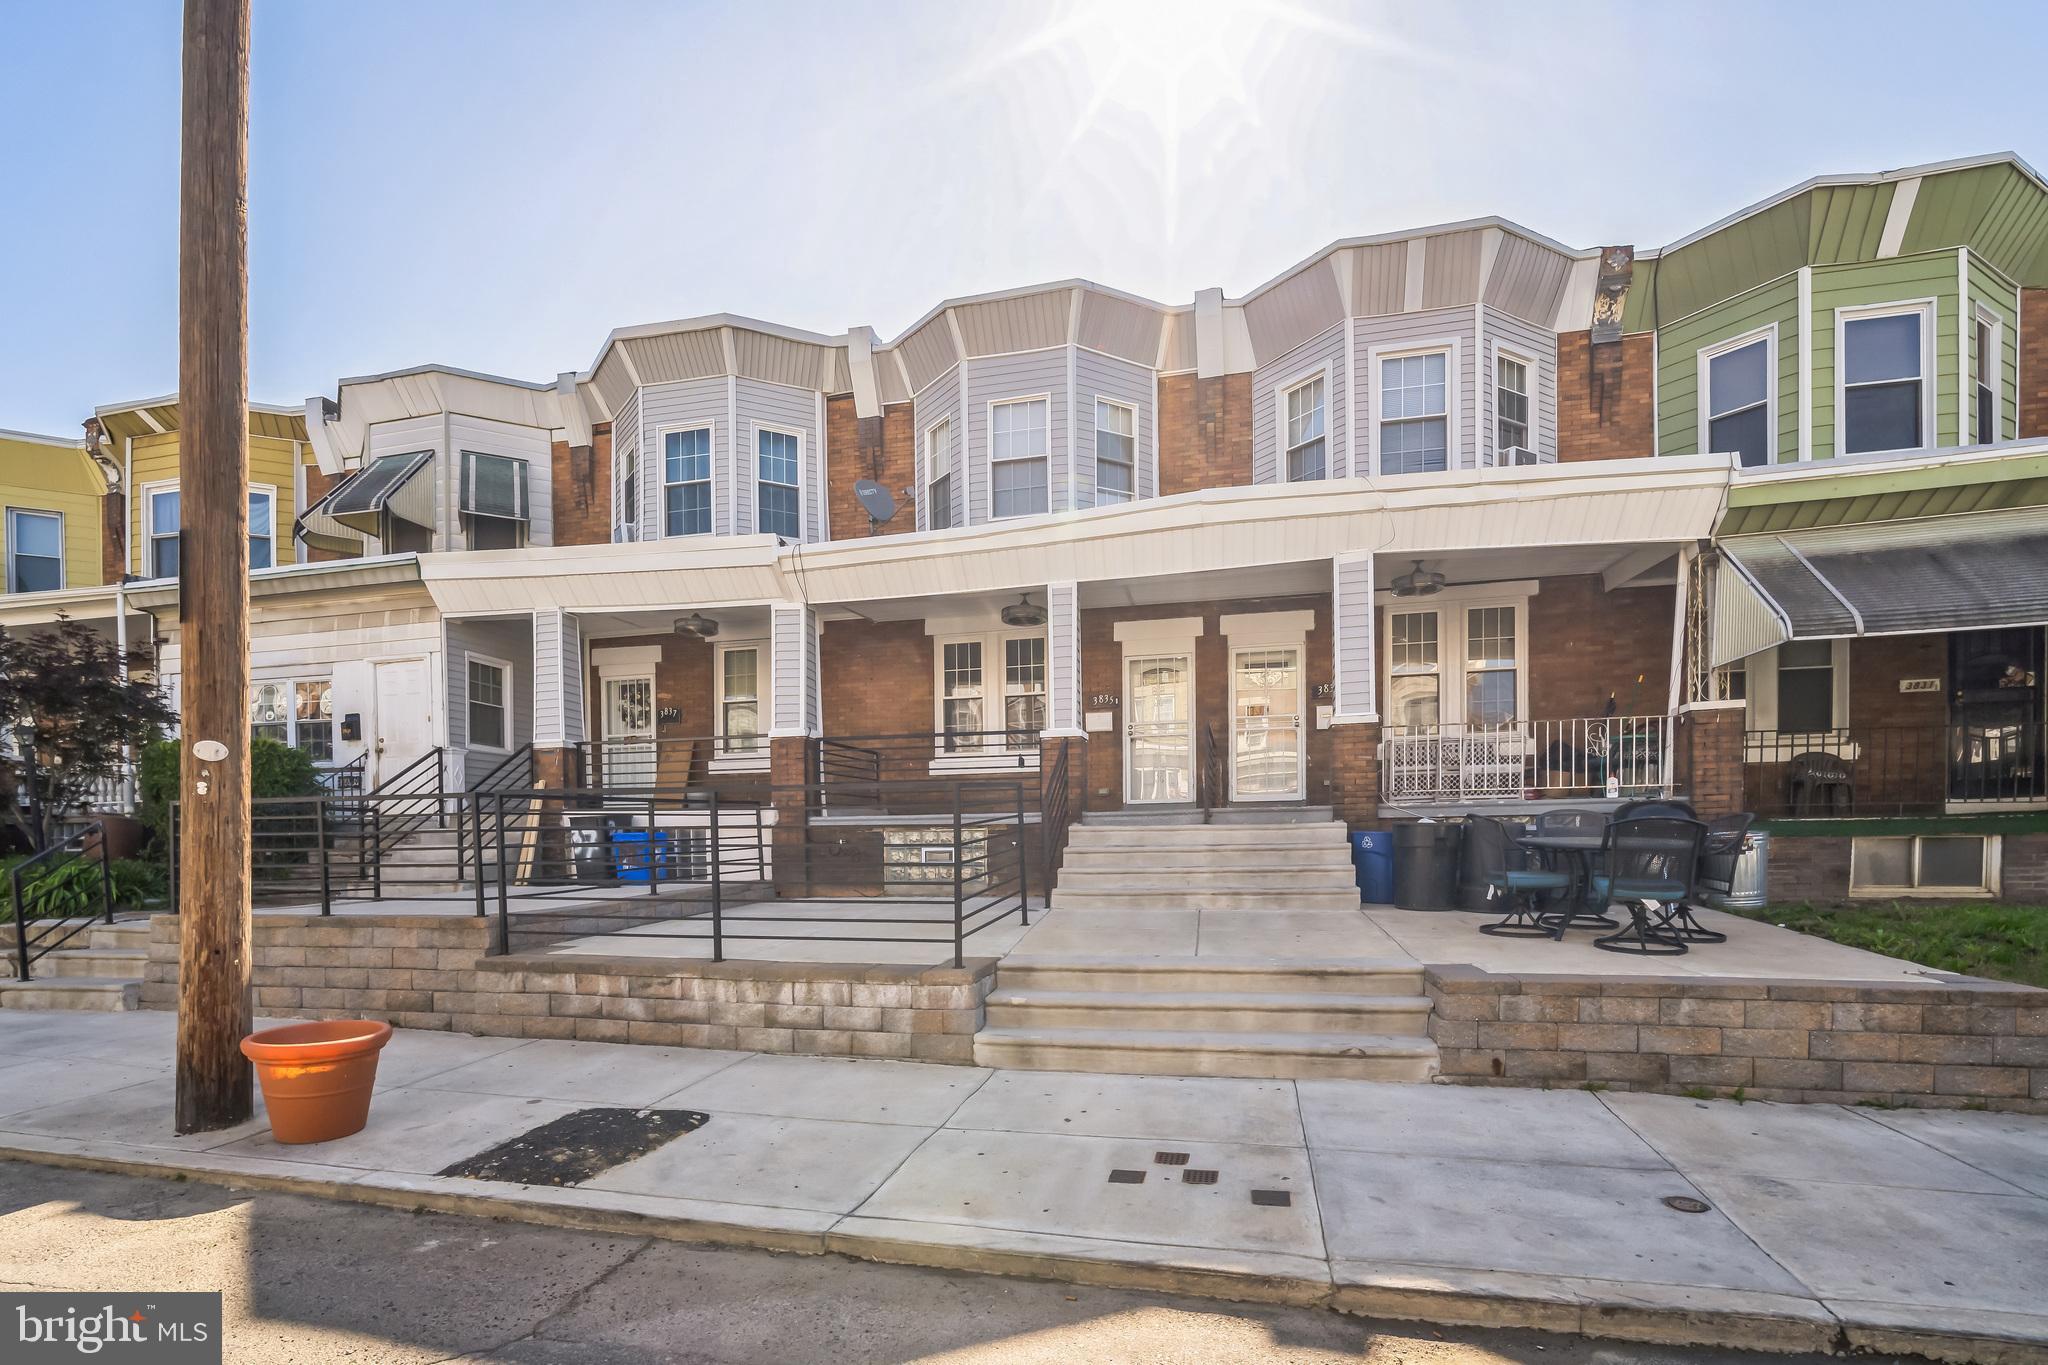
x=1893, y=770
x=511, y=773
x=668, y=761
x=345, y=779
x=1057, y=813
x=59, y=894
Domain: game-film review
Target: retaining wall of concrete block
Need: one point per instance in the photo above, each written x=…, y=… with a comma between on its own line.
x=431, y=972
x=1943, y=1044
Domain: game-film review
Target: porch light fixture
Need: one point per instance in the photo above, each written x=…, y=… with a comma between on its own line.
x=697, y=624
x=1024, y=612
x=1416, y=583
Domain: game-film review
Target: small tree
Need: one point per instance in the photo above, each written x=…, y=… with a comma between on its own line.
x=68, y=687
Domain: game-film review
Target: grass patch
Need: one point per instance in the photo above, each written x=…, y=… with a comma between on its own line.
x=2003, y=942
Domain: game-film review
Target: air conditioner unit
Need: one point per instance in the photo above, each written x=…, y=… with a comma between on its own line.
x=1516, y=457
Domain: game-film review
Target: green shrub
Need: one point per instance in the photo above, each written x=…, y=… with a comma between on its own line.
x=275, y=769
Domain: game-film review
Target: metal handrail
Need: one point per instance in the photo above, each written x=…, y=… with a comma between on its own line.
x=515, y=764
x=26, y=951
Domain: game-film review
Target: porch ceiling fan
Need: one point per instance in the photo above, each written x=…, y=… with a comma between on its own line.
x=697, y=624
x=1417, y=583
x=1023, y=612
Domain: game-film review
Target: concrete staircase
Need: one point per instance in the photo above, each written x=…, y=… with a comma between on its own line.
x=1286, y=859
x=1189, y=1016
x=103, y=973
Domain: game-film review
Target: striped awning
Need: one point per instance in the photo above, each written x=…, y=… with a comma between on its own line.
x=356, y=506
x=1881, y=578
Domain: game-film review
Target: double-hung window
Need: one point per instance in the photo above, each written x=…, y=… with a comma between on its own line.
x=1510, y=405
x=1806, y=686
x=163, y=533
x=262, y=528
x=1308, y=451
x=626, y=498
x=739, y=698
x=1984, y=371
x=1414, y=670
x=1023, y=689
x=991, y=692
x=960, y=694
x=1414, y=414
x=938, y=476
x=1019, y=439
x=1738, y=400
x=1883, y=380
x=489, y=704
x=1116, y=452
x=1490, y=660
x=35, y=550
x=686, y=482
x=776, y=506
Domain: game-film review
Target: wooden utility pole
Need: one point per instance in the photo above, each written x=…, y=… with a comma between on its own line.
x=214, y=1087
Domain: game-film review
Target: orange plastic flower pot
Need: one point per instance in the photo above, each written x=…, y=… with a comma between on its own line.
x=317, y=1077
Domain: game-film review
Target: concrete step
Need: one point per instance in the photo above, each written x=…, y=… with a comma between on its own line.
x=94, y=962
x=100, y=993
x=1222, y=815
x=1162, y=895
x=1174, y=862
x=1320, y=835
x=1231, y=1015
x=1113, y=875
x=1271, y=815
x=1152, y=1052
x=1221, y=975
x=131, y=934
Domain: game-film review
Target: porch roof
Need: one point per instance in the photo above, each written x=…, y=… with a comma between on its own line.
x=1883, y=578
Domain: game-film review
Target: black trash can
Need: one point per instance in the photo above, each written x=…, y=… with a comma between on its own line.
x=1426, y=866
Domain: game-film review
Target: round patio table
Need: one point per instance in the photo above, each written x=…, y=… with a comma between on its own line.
x=1576, y=851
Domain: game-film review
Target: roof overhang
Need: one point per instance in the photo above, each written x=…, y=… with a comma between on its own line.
x=1924, y=575
x=1888, y=487
x=97, y=603
x=287, y=579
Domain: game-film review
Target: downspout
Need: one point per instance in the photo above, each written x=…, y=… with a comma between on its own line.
x=117, y=483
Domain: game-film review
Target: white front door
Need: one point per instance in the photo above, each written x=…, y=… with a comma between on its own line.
x=1266, y=752
x=627, y=754
x=1159, y=730
x=405, y=717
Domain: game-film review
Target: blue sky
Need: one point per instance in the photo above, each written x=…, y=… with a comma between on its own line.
x=497, y=185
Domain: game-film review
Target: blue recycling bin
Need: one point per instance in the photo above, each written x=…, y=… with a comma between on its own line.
x=1372, y=858
x=636, y=861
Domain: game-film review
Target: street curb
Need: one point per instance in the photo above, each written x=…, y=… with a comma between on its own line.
x=1596, y=1309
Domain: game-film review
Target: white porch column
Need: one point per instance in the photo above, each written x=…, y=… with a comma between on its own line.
x=1351, y=614
x=557, y=680
x=1063, y=659
x=797, y=708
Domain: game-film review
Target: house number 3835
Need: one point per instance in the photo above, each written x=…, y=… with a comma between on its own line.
x=1101, y=699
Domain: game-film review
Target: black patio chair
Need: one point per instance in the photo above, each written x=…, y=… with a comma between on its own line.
x=1648, y=862
x=1719, y=855
x=1656, y=805
x=1490, y=843
x=1590, y=823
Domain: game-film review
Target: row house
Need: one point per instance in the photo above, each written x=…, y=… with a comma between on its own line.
x=1436, y=520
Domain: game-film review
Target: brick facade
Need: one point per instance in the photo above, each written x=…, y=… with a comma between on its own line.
x=1814, y=869
x=876, y=679
x=881, y=448
x=1355, y=774
x=1606, y=397
x=682, y=682
x=583, y=490
x=1979, y=1044
x=431, y=972
x=1708, y=757
x=1205, y=432
x=2033, y=358
x=1586, y=645
x=114, y=537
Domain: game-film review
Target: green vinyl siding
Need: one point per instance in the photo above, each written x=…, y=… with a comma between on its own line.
x=1996, y=294
x=1905, y=279
x=1678, y=366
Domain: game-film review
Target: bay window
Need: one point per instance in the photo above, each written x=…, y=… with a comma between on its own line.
x=1019, y=464
x=1307, y=431
x=1116, y=452
x=1882, y=381
x=1414, y=424
x=686, y=482
x=776, y=510
x=1736, y=407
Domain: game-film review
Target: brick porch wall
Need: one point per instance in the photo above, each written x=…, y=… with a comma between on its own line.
x=1606, y=397
x=876, y=679
x=1708, y=748
x=1937, y=1046
x=1587, y=644
x=1205, y=432
x=430, y=972
x=1355, y=774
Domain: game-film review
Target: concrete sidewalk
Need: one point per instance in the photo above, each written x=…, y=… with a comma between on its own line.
x=1825, y=1227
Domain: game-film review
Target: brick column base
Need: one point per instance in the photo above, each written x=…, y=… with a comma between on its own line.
x=1355, y=774
x=789, y=769
x=1709, y=752
x=554, y=768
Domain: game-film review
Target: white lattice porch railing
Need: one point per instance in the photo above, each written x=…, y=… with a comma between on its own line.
x=1601, y=756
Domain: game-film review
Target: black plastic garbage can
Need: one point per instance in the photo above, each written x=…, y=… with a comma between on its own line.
x=1426, y=866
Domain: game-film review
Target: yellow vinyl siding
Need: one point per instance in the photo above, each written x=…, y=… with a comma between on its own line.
x=156, y=462
x=37, y=477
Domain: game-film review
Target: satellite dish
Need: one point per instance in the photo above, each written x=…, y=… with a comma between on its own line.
x=879, y=502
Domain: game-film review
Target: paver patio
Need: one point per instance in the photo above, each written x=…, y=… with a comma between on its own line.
x=1827, y=1226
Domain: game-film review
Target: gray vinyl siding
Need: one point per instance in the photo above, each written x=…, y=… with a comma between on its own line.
x=666, y=407
x=1539, y=345
x=531, y=444
x=557, y=678
x=1354, y=622
x=793, y=669
x=626, y=445
x=996, y=380
x=938, y=403
x=1406, y=330
x=1120, y=381
x=1269, y=381
x=788, y=409
x=1063, y=642
x=509, y=638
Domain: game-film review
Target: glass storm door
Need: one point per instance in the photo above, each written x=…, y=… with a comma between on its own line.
x=628, y=759
x=1159, y=752
x=1994, y=714
x=1265, y=725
